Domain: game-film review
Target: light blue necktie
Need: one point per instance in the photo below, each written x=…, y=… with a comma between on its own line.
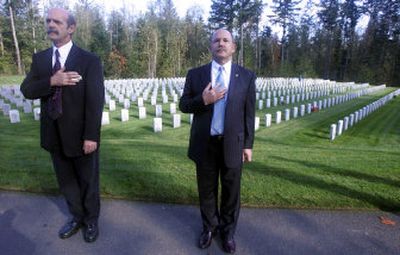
x=217, y=123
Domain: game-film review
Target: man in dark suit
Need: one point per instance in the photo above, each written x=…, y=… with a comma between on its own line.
x=69, y=82
x=222, y=96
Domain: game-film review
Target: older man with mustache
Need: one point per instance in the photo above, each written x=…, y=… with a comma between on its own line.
x=69, y=83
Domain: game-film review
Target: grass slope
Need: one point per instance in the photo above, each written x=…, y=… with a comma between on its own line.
x=295, y=164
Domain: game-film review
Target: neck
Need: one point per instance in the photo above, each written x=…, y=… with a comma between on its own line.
x=59, y=44
x=222, y=61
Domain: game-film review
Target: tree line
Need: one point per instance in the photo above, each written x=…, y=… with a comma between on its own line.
x=318, y=39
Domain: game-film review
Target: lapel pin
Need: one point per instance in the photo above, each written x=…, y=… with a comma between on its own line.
x=236, y=75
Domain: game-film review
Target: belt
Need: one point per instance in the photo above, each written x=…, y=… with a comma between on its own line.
x=217, y=137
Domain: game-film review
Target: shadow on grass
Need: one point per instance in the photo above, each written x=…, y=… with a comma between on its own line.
x=317, y=183
x=344, y=172
x=137, y=171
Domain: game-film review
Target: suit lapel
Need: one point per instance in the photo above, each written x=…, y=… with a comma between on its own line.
x=206, y=74
x=232, y=83
x=71, y=59
x=49, y=60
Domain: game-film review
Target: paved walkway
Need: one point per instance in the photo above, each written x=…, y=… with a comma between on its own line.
x=29, y=224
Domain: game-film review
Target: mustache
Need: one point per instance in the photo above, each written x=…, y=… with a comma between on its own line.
x=52, y=31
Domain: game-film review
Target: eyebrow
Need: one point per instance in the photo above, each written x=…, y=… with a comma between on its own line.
x=55, y=20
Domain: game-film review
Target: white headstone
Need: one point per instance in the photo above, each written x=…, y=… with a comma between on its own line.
x=157, y=125
x=140, y=101
x=278, y=117
x=105, y=118
x=333, y=132
x=191, y=118
x=142, y=112
x=176, y=120
x=165, y=99
x=36, y=113
x=256, y=123
x=268, y=120
x=340, y=127
x=351, y=120
x=260, y=104
x=6, y=109
x=356, y=117
x=295, y=112
x=345, y=123
x=14, y=116
x=268, y=103
x=172, y=108
x=302, y=110
x=275, y=101
x=27, y=107
x=153, y=100
x=127, y=103
x=124, y=115
x=121, y=99
x=107, y=98
x=287, y=114
x=111, y=105
x=308, y=108
x=36, y=102
x=158, y=110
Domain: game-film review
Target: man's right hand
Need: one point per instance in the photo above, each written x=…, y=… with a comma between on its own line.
x=61, y=78
x=211, y=95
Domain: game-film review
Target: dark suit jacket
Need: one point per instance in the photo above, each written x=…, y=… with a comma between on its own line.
x=239, y=113
x=82, y=104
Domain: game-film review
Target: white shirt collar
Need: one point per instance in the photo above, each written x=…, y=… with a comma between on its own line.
x=227, y=66
x=64, y=51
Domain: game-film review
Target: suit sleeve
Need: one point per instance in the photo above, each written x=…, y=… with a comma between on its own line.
x=94, y=100
x=250, y=111
x=192, y=102
x=33, y=86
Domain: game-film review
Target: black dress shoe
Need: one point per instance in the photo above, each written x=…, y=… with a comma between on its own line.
x=69, y=229
x=91, y=233
x=205, y=239
x=229, y=245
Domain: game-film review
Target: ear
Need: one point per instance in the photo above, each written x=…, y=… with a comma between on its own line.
x=234, y=47
x=71, y=29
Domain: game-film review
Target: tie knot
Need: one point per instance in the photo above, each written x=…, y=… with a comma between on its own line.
x=221, y=69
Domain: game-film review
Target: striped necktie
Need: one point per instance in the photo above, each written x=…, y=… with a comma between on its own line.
x=55, y=102
x=217, y=123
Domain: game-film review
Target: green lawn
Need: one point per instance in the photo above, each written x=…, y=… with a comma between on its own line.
x=11, y=79
x=295, y=165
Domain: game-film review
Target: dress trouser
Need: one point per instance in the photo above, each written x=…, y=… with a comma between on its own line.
x=208, y=174
x=78, y=179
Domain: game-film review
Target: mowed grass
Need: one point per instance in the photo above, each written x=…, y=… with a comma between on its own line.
x=295, y=165
x=11, y=79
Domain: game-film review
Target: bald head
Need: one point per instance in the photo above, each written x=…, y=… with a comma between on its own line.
x=222, y=46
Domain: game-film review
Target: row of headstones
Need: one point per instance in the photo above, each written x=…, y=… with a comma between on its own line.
x=157, y=121
x=15, y=118
x=342, y=125
x=126, y=102
x=309, y=96
x=142, y=89
x=293, y=99
x=263, y=84
x=316, y=106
